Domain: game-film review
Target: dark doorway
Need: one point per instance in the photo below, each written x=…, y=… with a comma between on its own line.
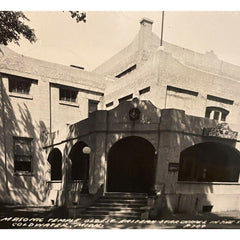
x=209, y=162
x=131, y=166
x=80, y=162
x=55, y=159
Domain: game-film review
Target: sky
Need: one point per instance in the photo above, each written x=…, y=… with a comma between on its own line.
x=62, y=40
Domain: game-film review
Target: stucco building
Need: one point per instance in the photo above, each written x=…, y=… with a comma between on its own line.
x=165, y=134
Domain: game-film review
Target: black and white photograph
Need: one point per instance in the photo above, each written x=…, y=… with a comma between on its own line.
x=119, y=119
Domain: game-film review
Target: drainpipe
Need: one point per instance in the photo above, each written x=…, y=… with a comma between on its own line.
x=4, y=134
x=162, y=28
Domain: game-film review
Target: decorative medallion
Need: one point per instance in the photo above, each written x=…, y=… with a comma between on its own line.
x=134, y=114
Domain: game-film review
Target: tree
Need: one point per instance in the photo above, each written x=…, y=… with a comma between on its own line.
x=12, y=26
x=79, y=16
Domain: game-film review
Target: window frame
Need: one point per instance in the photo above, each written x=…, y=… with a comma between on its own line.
x=15, y=82
x=29, y=156
x=71, y=91
x=221, y=112
x=92, y=101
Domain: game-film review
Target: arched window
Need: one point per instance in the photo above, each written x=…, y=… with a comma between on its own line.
x=216, y=113
x=209, y=162
x=55, y=159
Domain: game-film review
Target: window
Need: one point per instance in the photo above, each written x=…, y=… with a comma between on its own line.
x=123, y=99
x=126, y=71
x=209, y=162
x=68, y=95
x=221, y=100
x=19, y=84
x=92, y=106
x=109, y=104
x=144, y=90
x=181, y=90
x=216, y=113
x=22, y=154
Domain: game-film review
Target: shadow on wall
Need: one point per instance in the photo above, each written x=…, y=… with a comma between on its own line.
x=20, y=188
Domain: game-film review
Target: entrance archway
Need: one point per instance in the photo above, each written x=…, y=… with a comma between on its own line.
x=209, y=162
x=131, y=166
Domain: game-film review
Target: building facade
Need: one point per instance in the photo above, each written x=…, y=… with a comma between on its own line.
x=166, y=125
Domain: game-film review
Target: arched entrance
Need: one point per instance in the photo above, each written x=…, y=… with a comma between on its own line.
x=80, y=164
x=55, y=159
x=131, y=166
x=209, y=162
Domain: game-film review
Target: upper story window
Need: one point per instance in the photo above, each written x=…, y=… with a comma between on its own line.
x=144, y=90
x=22, y=154
x=123, y=99
x=19, y=84
x=92, y=106
x=219, y=99
x=182, y=90
x=109, y=104
x=68, y=95
x=216, y=113
x=127, y=71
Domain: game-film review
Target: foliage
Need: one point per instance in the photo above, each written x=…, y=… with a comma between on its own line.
x=79, y=16
x=12, y=27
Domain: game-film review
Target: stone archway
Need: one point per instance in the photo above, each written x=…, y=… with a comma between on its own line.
x=131, y=166
x=209, y=162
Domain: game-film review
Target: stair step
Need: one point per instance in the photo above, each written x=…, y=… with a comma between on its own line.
x=109, y=211
x=111, y=208
x=107, y=217
x=122, y=200
x=117, y=204
x=124, y=194
x=113, y=213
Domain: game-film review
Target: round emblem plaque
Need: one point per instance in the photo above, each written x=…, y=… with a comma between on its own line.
x=134, y=114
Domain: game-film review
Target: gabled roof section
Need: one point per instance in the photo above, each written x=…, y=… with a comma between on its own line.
x=11, y=61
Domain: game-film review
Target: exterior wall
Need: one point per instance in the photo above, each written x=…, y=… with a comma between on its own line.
x=170, y=131
x=163, y=70
x=178, y=132
x=35, y=116
x=171, y=65
x=21, y=118
x=69, y=112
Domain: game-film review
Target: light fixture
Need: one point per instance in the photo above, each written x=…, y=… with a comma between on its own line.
x=86, y=150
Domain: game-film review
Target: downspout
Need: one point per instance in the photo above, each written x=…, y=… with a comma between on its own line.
x=4, y=134
x=106, y=155
x=50, y=112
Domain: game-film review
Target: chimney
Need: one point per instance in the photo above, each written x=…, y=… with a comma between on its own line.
x=146, y=24
x=145, y=33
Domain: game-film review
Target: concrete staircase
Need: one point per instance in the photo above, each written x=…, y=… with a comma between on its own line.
x=118, y=205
